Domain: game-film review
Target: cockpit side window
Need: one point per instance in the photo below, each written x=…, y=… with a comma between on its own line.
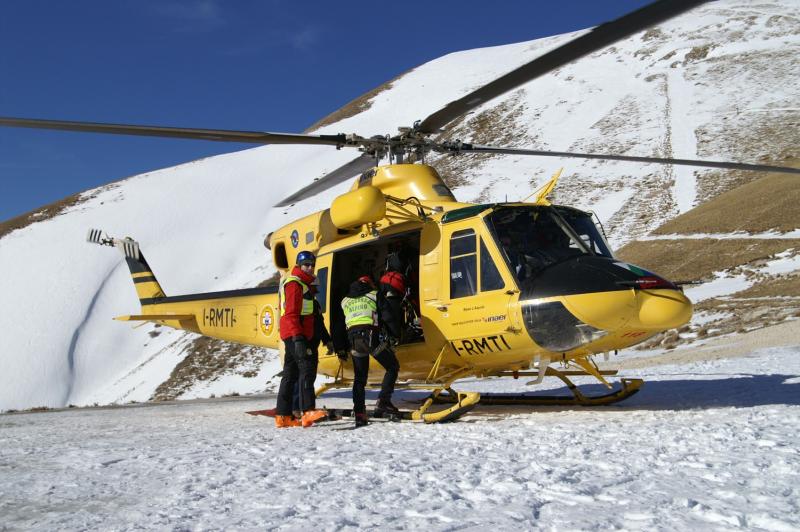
x=463, y=264
x=490, y=276
x=585, y=228
x=534, y=238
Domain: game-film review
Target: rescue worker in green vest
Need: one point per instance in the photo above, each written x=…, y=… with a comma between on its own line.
x=297, y=331
x=363, y=333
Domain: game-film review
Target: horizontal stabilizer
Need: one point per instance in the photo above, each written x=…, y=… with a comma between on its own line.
x=156, y=317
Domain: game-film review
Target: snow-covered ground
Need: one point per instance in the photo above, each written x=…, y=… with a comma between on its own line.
x=706, y=445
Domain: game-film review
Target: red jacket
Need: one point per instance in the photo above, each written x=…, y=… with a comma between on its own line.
x=395, y=280
x=292, y=323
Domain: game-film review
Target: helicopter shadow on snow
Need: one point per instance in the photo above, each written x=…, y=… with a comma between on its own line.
x=727, y=391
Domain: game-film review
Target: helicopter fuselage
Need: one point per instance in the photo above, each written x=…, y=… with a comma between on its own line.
x=494, y=287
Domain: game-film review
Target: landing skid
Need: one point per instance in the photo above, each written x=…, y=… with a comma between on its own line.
x=462, y=402
x=442, y=416
x=627, y=388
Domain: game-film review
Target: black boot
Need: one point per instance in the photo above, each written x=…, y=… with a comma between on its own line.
x=385, y=406
x=361, y=419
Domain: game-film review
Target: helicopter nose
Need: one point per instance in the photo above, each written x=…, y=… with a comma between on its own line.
x=581, y=301
x=645, y=309
x=661, y=309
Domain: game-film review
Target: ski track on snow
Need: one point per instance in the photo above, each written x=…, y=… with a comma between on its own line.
x=683, y=139
x=74, y=340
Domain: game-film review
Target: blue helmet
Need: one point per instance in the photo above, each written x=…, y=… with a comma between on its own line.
x=306, y=257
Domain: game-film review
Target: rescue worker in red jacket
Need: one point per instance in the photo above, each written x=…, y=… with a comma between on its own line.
x=297, y=330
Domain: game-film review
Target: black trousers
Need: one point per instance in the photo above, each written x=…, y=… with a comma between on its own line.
x=386, y=358
x=300, y=369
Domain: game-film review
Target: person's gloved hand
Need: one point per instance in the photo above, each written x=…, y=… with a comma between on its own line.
x=342, y=355
x=300, y=346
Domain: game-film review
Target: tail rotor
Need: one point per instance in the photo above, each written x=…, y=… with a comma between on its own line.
x=128, y=246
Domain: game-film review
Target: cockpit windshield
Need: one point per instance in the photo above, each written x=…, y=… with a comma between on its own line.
x=533, y=238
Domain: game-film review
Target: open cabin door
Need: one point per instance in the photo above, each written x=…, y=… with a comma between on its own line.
x=344, y=266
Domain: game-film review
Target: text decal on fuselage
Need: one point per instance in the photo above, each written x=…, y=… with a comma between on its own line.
x=219, y=317
x=479, y=346
x=634, y=334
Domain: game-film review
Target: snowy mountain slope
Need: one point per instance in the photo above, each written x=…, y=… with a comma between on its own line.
x=201, y=226
x=716, y=83
x=719, y=83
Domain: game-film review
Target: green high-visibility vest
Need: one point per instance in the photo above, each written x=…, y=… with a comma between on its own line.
x=308, y=301
x=361, y=310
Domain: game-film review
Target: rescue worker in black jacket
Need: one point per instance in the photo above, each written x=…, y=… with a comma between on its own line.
x=391, y=292
x=360, y=308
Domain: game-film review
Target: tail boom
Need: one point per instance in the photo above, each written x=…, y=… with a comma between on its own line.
x=247, y=316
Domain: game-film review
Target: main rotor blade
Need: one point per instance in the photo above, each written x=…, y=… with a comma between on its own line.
x=471, y=148
x=341, y=174
x=598, y=38
x=220, y=135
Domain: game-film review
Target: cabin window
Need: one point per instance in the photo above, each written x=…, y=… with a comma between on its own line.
x=442, y=191
x=463, y=264
x=279, y=256
x=490, y=276
x=322, y=289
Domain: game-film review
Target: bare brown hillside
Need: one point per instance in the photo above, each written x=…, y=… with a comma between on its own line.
x=768, y=204
x=41, y=214
x=355, y=106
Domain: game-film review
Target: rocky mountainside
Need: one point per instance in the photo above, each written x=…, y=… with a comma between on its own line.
x=717, y=83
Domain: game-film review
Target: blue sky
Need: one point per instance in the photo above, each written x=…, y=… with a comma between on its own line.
x=269, y=65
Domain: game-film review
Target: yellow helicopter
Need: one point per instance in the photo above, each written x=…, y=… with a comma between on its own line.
x=497, y=290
